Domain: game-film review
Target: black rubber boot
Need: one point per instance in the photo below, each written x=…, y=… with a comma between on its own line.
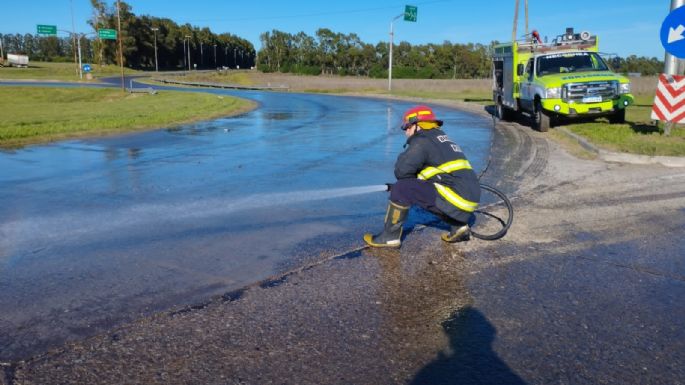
x=459, y=232
x=392, y=232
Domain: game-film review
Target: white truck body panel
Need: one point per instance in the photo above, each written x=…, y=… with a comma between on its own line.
x=17, y=60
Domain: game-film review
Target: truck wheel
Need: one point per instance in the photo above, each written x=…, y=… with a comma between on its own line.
x=618, y=117
x=541, y=121
x=504, y=113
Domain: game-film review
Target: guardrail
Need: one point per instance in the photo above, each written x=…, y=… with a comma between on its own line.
x=141, y=90
x=225, y=85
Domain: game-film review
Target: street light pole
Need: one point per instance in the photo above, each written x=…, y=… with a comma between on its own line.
x=390, y=55
x=76, y=39
x=188, y=37
x=80, y=65
x=155, y=29
x=121, y=48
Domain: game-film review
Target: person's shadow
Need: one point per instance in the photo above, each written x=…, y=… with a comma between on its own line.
x=472, y=360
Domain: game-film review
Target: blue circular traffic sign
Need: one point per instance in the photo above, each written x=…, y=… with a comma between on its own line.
x=86, y=67
x=673, y=33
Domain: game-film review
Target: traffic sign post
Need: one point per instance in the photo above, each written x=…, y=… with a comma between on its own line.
x=409, y=14
x=107, y=34
x=47, y=29
x=672, y=39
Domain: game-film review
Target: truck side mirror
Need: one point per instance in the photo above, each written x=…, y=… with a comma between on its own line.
x=519, y=69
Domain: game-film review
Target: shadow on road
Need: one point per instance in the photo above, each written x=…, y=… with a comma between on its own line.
x=471, y=360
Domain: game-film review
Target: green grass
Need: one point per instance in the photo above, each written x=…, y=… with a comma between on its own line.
x=638, y=135
x=33, y=115
x=59, y=71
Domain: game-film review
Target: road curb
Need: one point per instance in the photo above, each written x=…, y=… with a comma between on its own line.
x=620, y=157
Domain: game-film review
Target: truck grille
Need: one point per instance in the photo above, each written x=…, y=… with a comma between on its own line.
x=576, y=92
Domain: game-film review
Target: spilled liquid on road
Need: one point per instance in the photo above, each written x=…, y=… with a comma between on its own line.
x=96, y=232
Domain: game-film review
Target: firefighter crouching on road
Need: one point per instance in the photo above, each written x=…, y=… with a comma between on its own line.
x=432, y=173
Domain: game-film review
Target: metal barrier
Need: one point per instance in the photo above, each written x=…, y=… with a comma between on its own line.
x=225, y=85
x=141, y=90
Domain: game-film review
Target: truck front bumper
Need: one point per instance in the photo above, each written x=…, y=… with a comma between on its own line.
x=571, y=109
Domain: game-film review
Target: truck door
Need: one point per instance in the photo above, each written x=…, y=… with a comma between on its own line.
x=527, y=87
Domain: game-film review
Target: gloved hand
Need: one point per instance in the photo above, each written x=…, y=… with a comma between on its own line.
x=389, y=185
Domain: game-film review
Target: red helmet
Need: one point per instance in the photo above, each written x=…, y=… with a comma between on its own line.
x=419, y=114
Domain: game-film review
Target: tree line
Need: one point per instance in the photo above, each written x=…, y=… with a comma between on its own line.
x=640, y=65
x=330, y=52
x=177, y=45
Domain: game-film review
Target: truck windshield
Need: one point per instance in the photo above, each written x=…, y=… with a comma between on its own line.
x=569, y=62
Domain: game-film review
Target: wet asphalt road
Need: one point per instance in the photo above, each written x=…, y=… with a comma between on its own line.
x=102, y=231
x=587, y=288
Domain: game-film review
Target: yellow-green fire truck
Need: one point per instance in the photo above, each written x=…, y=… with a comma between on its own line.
x=566, y=78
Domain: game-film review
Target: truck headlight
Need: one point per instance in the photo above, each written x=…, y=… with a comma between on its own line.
x=553, y=93
x=624, y=88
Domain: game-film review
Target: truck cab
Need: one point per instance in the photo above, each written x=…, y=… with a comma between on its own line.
x=565, y=79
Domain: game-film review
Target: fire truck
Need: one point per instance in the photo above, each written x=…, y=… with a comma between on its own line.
x=565, y=79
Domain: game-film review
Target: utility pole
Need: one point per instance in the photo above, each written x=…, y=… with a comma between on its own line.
x=73, y=40
x=525, y=5
x=80, y=65
x=672, y=65
x=2, y=54
x=76, y=38
x=155, y=29
x=121, y=48
x=214, y=55
x=188, y=37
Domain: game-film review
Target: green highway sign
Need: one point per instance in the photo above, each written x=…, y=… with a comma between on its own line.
x=410, y=12
x=107, y=34
x=47, y=29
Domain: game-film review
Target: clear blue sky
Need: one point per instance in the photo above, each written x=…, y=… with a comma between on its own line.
x=624, y=27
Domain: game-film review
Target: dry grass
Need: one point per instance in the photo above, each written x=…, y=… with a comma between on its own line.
x=324, y=83
x=644, y=86
x=467, y=88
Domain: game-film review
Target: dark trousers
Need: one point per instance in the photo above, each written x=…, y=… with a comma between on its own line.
x=410, y=192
